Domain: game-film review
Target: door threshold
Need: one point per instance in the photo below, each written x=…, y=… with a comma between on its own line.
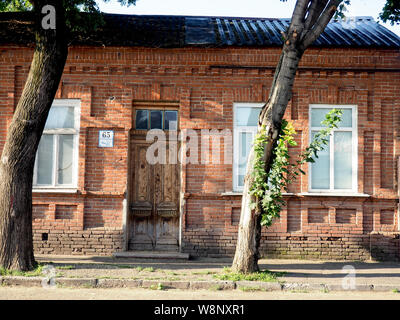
x=152, y=255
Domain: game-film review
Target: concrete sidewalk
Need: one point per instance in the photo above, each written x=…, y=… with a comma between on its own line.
x=200, y=273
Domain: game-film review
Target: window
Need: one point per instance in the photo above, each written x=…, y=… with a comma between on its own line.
x=56, y=162
x=245, y=129
x=335, y=169
x=156, y=119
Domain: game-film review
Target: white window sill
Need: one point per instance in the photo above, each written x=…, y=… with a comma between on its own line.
x=334, y=194
x=54, y=190
x=310, y=194
x=239, y=193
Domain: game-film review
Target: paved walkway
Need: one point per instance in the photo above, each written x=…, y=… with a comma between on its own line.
x=201, y=273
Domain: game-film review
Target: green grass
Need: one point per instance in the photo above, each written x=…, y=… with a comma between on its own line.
x=33, y=273
x=266, y=276
x=123, y=266
x=395, y=290
x=148, y=269
x=251, y=289
x=65, y=267
x=159, y=286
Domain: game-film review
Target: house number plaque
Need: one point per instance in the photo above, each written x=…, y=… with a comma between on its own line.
x=106, y=138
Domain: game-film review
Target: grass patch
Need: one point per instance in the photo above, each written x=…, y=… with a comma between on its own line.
x=65, y=267
x=266, y=276
x=148, y=269
x=173, y=278
x=251, y=289
x=325, y=290
x=33, y=273
x=159, y=286
x=123, y=266
x=395, y=290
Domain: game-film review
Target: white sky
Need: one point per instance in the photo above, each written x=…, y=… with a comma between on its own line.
x=236, y=8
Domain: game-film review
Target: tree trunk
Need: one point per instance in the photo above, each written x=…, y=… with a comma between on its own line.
x=247, y=249
x=309, y=20
x=18, y=156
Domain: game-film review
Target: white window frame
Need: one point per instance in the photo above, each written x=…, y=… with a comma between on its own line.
x=236, y=133
x=54, y=186
x=354, y=142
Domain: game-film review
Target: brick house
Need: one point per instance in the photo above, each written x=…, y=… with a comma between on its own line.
x=95, y=192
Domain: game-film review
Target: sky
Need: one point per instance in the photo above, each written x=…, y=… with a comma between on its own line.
x=236, y=8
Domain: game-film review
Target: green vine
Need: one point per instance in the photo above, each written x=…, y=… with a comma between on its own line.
x=266, y=189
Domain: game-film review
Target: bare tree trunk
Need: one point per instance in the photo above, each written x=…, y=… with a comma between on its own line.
x=18, y=156
x=309, y=20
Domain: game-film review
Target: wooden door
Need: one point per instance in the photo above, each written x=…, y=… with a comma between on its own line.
x=154, y=209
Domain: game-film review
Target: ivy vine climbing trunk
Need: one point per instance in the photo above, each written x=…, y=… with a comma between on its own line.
x=18, y=156
x=309, y=19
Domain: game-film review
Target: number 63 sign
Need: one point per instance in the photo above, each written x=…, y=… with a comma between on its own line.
x=106, y=138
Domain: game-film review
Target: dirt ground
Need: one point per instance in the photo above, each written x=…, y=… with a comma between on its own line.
x=17, y=293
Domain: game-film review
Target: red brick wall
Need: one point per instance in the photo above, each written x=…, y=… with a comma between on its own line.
x=91, y=221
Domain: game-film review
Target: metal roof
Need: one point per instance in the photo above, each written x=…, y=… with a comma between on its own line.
x=181, y=31
x=220, y=31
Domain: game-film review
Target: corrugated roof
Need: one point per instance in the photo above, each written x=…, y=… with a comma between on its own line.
x=354, y=32
x=180, y=31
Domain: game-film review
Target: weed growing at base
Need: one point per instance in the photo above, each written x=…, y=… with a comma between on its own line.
x=37, y=272
x=265, y=276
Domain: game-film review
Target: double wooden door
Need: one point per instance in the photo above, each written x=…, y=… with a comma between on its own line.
x=154, y=205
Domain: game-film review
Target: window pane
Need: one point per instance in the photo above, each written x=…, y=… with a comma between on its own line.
x=347, y=120
x=45, y=160
x=342, y=160
x=65, y=158
x=245, y=142
x=156, y=119
x=320, y=175
x=60, y=117
x=170, y=120
x=142, y=119
x=318, y=115
x=247, y=116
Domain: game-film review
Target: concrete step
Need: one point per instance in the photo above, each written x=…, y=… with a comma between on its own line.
x=152, y=255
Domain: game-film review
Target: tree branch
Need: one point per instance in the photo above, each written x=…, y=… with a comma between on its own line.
x=316, y=7
x=321, y=24
x=299, y=12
